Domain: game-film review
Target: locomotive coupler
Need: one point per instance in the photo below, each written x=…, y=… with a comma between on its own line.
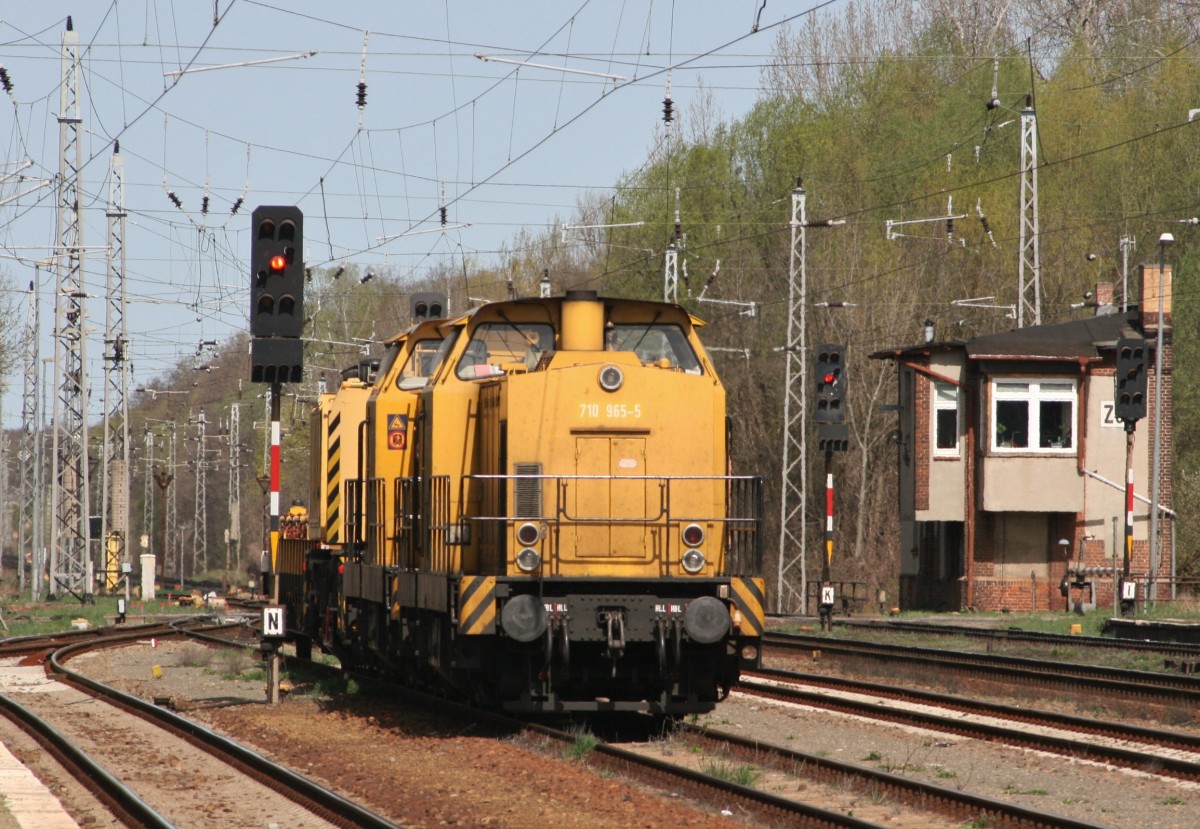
x=614, y=622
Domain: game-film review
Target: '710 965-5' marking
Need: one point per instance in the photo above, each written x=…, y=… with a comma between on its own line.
x=611, y=411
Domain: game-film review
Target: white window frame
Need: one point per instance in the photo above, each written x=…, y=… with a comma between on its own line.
x=1035, y=391
x=941, y=405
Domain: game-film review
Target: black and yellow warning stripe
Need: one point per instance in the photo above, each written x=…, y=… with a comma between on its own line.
x=333, y=483
x=477, y=605
x=749, y=599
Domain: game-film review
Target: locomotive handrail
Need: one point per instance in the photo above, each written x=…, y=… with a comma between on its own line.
x=664, y=508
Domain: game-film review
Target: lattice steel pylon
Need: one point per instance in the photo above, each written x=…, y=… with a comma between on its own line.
x=148, y=492
x=30, y=512
x=70, y=562
x=794, y=493
x=114, y=508
x=1029, y=279
x=671, y=274
x=235, y=487
x=171, y=540
x=200, y=518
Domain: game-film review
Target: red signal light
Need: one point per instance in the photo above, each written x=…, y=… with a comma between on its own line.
x=829, y=378
x=278, y=262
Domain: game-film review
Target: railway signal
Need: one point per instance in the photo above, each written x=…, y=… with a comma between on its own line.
x=833, y=435
x=831, y=384
x=1131, y=380
x=426, y=305
x=277, y=294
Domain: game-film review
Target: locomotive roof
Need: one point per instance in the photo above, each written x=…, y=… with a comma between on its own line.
x=525, y=302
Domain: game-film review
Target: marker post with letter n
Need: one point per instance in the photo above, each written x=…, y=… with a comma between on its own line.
x=274, y=632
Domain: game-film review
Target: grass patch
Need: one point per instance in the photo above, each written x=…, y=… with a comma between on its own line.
x=584, y=744
x=914, y=768
x=195, y=655
x=56, y=615
x=743, y=774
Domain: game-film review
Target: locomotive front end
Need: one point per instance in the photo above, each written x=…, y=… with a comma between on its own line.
x=620, y=553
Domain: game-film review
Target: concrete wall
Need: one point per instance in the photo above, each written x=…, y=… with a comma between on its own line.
x=946, y=474
x=1028, y=483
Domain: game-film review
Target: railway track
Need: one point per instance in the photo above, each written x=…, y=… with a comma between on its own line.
x=671, y=777
x=1113, y=683
x=1051, y=640
x=912, y=796
x=951, y=803
x=1054, y=734
x=99, y=722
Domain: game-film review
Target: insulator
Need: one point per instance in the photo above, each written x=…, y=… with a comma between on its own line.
x=236, y=205
x=987, y=228
x=174, y=199
x=442, y=211
x=361, y=99
x=204, y=205
x=950, y=228
x=5, y=81
x=668, y=110
x=338, y=273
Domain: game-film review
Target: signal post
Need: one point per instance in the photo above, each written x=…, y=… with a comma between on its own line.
x=1130, y=398
x=276, y=357
x=833, y=435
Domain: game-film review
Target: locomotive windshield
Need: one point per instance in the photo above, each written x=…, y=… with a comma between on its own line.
x=654, y=344
x=422, y=362
x=498, y=347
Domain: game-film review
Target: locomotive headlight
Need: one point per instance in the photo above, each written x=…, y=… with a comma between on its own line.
x=611, y=378
x=528, y=533
x=693, y=561
x=693, y=535
x=528, y=560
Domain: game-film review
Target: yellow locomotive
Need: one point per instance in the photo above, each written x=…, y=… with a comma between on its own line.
x=530, y=503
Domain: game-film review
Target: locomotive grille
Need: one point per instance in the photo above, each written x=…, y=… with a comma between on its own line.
x=527, y=492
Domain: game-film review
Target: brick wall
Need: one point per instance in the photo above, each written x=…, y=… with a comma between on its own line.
x=922, y=443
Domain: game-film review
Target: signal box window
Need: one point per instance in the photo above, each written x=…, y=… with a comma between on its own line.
x=665, y=346
x=945, y=423
x=496, y=348
x=1033, y=416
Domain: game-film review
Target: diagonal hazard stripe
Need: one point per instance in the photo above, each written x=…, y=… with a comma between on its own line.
x=333, y=489
x=749, y=597
x=477, y=605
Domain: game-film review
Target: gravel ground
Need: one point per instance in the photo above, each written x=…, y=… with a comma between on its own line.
x=418, y=774
x=404, y=766
x=1079, y=789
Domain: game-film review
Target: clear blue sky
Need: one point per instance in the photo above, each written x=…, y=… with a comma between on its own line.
x=510, y=146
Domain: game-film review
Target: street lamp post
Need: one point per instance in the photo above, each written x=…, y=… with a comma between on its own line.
x=1164, y=242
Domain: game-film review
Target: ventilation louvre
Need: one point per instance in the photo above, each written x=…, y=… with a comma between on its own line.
x=527, y=492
